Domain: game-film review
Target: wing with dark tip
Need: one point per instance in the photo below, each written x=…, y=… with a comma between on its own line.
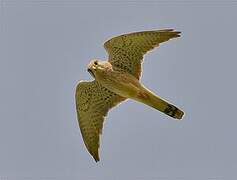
x=126, y=51
x=93, y=102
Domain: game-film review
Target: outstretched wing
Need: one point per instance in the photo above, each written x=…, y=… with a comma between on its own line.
x=93, y=102
x=126, y=51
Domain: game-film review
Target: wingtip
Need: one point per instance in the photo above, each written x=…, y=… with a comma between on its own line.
x=171, y=33
x=168, y=30
x=96, y=158
x=175, y=35
x=178, y=33
x=95, y=155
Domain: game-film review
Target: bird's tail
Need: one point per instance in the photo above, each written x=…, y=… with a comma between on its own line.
x=156, y=102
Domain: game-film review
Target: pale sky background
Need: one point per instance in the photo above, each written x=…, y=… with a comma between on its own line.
x=45, y=47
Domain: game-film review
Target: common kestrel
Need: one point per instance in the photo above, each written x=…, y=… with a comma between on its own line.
x=116, y=80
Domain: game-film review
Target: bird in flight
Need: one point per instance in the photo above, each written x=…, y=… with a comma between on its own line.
x=116, y=80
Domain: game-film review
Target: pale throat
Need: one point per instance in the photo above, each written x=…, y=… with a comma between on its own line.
x=104, y=75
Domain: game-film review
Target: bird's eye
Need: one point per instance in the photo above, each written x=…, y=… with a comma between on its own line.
x=96, y=62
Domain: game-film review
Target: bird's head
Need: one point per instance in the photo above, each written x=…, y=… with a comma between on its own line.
x=96, y=66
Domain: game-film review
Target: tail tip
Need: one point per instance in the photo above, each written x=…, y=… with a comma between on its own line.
x=174, y=112
x=179, y=115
